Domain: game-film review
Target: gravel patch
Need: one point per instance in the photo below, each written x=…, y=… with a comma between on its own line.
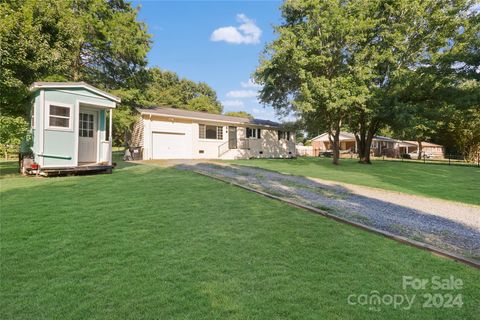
x=451, y=226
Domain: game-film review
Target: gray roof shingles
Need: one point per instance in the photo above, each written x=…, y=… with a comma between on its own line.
x=166, y=111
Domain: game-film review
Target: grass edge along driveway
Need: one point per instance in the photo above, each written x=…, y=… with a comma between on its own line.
x=454, y=183
x=148, y=242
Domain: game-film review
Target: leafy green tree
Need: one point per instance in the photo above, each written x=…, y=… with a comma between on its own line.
x=346, y=62
x=242, y=114
x=405, y=38
x=308, y=67
x=124, y=117
x=203, y=103
x=36, y=38
x=12, y=130
x=97, y=41
x=298, y=128
x=441, y=99
x=161, y=88
x=100, y=42
x=166, y=88
x=460, y=90
x=464, y=127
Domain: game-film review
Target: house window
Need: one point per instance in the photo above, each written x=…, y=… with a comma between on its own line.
x=254, y=133
x=59, y=116
x=86, y=125
x=283, y=135
x=210, y=132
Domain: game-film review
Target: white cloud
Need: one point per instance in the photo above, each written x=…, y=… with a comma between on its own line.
x=246, y=33
x=263, y=112
x=242, y=93
x=249, y=84
x=233, y=104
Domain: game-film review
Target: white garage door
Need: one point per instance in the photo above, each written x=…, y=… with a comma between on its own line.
x=171, y=145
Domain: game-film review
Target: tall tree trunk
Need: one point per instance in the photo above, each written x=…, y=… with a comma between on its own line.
x=334, y=137
x=419, y=149
x=364, y=140
x=368, y=147
x=336, y=147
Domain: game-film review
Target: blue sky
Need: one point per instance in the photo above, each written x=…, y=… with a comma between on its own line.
x=217, y=42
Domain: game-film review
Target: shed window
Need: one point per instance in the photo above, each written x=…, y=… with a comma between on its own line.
x=85, y=129
x=210, y=132
x=59, y=116
x=254, y=133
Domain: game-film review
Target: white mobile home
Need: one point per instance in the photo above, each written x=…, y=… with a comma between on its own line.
x=168, y=133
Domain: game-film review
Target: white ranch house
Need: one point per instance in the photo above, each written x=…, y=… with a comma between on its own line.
x=169, y=133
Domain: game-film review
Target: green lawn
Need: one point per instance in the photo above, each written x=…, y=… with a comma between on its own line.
x=8, y=169
x=155, y=243
x=455, y=183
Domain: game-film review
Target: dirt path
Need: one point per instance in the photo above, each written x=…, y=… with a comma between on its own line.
x=451, y=226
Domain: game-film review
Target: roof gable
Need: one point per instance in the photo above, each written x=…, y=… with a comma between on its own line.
x=343, y=136
x=66, y=85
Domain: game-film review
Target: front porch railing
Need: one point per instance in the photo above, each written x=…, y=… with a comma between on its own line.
x=241, y=143
x=106, y=152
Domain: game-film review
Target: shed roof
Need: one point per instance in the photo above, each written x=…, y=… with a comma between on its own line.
x=198, y=115
x=65, y=85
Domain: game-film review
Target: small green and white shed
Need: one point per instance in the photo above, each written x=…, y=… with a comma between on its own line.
x=69, y=126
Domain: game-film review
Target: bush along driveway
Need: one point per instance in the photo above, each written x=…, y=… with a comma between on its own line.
x=451, y=226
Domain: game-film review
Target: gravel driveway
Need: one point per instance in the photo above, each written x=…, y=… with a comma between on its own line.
x=451, y=226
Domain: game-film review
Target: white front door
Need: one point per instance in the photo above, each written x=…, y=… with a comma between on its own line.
x=87, y=136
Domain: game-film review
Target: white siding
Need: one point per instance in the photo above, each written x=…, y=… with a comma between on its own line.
x=267, y=147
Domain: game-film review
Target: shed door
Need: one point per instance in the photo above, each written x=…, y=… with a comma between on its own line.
x=171, y=145
x=87, y=137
